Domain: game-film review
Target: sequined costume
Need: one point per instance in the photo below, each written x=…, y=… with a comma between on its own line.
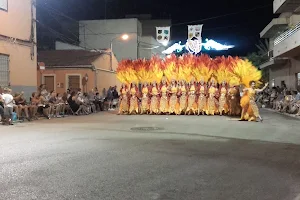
x=223, y=106
x=212, y=102
x=182, y=99
x=154, y=102
x=134, y=104
x=202, y=99
x=163, y=103
x=192, y=105
x=173, y=101
x=145, y=100
x=123, y=107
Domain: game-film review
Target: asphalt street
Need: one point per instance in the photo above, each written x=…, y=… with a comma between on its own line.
x=109, y=157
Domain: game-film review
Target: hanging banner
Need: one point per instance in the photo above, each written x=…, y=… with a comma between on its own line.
x=163, y=34
x=194, y=31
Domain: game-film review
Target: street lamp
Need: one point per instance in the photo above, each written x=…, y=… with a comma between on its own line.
x=122, y=37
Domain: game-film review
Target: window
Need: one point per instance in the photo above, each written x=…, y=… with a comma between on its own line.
x=4, y=70
x=4, y=5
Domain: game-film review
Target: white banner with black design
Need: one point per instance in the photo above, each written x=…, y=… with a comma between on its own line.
x=163, y=34
x=194, y=31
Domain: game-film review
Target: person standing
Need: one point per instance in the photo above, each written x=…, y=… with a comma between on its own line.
x=8, y=105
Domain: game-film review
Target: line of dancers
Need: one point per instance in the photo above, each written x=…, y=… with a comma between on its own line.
x=181, y=98
x=189, y=85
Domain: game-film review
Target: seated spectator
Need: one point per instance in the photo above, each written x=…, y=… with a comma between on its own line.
x=287, y=101
x=55, y=107
x=62, y=103
x=43, y=106
x=35, y=101
x=20, y=102
x=75, y=106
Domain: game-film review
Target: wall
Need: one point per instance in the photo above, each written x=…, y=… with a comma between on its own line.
x=16, y=23
x=286, y=73
x=61, y=77
x=147, y=47
x=65, y=46
x=97, y=34
x=105, y=77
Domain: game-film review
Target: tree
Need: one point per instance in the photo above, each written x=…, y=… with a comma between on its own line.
x=261, y=56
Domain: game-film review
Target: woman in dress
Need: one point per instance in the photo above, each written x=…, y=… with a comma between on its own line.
x=250, y=110
x=154, y=101
x=192, y=105
x=173, y=102
x=223, y=106
x=124, y=104
x=145, y=99
x=182, y=93
x=212, y=102
x=202, y=92
x=163, y=103
x=134, y=102
x=234, y=98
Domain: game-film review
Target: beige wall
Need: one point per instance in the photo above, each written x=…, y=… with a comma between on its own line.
x=16, y=23
x=286, y=73
x=60, y=76
x=105, y=77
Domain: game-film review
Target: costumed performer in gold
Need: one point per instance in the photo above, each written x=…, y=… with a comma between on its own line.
x=202, y=92
x=173, y=101
x=154, y=101
x=182, y=92
x=192, y=105
x=145, y=99
x=249, y=76
x=164, y=101
x=223, y=106
x=250, y=110
x=212, y=102
x=123, y=101
x=134, y=101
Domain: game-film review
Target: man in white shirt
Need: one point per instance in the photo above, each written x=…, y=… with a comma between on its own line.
x=8, y=104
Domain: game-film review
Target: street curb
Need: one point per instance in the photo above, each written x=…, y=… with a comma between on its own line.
x=286, y=114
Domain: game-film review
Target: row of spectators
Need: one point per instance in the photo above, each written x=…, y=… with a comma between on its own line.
x=281, y=99
x=14, y=107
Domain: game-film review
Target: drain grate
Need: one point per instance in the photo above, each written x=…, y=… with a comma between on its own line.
x=147, y=129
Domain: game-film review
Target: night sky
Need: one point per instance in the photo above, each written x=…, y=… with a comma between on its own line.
x=241, y=30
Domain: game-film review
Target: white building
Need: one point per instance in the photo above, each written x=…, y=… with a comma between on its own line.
x=100, y=34
x=283, y=65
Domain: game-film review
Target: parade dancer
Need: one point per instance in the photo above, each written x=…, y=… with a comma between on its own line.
x=123, y=102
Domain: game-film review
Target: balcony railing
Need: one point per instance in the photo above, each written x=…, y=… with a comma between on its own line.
x=287, y=34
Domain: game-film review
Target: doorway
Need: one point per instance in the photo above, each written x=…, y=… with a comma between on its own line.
x=49, y=82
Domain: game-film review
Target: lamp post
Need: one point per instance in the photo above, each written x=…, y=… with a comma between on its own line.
x=123, y=37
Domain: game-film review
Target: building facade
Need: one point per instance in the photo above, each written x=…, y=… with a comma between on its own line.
x=76, y=69
x=103, y=34
x=18, y=54
x=283, y=62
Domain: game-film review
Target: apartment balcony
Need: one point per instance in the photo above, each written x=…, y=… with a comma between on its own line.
x=270, y=61
x=281, y=6
x=276, y=26
x=288, y=43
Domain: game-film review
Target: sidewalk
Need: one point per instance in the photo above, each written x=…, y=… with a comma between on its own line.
x=281, y=113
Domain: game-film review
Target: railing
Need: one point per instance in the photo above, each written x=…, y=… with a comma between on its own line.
x=287, y=34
